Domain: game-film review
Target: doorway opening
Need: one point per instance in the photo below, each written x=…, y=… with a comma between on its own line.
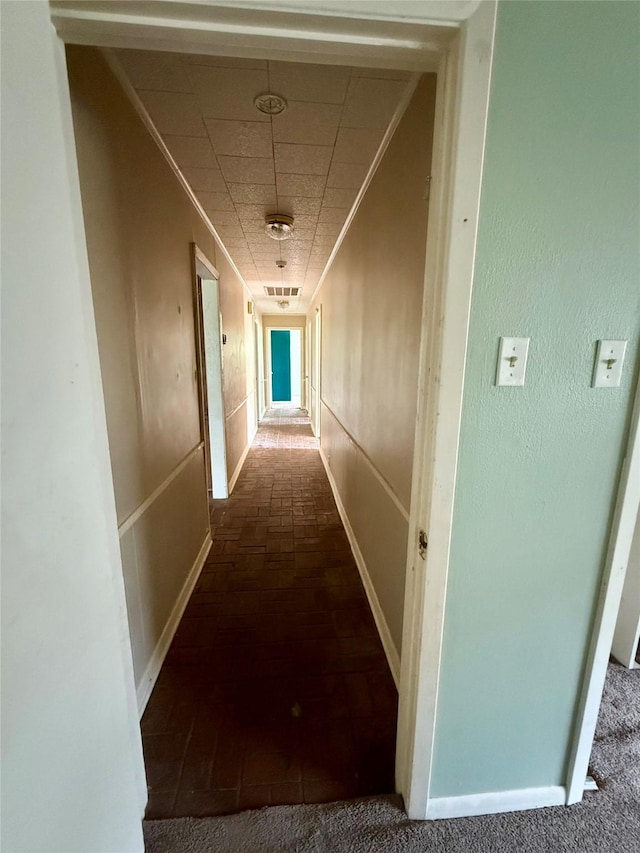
x=209, y=358
x=285, y=367
x=452, y=63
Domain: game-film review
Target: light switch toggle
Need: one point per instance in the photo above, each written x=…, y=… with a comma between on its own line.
x=512, y=361
x=607, y=370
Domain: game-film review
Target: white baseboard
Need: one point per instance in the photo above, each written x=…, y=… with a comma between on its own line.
x=393, y=658
x=241, y=461
x=495, y=801
x=147, y=683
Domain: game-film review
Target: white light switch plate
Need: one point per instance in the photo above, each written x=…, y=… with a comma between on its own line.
x=608, y=367
x=512, y=361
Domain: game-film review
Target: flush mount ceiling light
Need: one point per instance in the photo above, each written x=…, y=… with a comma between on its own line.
x=270, y=103
x=279, y=226
x=284, y=304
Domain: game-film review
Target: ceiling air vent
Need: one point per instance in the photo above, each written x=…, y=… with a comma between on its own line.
x=282, y=291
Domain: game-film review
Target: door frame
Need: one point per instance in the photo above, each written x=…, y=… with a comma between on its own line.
x=622, y=529
x=626, y=637
x=458, y=46
x=210, y=381
x=268, y=371
x=316, y=355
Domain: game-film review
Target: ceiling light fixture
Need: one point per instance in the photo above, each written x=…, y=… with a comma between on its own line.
x=281, y=264
x=279, y=226
x=284, y=304
x=270, y=103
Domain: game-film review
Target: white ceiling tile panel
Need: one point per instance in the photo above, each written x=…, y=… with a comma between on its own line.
x=295, y=268
x=240, y=138
x=253, y=194
x=357, y=145
x=205, y=180
x=243, y=256
x=192, y=151
x=308, y=124
x=302, y=234
x=254, y=230
x=228, y=92
x=295, y=205
x=233, y=238
x=372, y=103
x=347, y=175
x=325, y=241
x=302, y=82
x=260, y=249
x=302, y=159
x=335, y=215
x=174, y=113
x=254, y=213
x=304, y=221
x=147, y=69
x=339, y=198
x=260, y=242
x=295, y=248
x=319, y=257
x=247, y=170
x=215, y=201
x=223, y=61
x=381, y=73
x=224, y=218
x=328, y=230
x=311, y=186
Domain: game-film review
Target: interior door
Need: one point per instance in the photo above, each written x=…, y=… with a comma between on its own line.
x=280, y=366
x=202, y=382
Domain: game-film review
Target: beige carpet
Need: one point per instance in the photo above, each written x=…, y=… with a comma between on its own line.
x=607, y=821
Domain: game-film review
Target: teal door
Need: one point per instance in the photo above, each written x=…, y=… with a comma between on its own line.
x=280, y=366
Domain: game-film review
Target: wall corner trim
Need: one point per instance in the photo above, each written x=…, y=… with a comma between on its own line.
x=493, y=802
x=152, y=671
x=393, y=658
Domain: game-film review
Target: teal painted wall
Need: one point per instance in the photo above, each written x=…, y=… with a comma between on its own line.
x=559, y=261
x=281, y=366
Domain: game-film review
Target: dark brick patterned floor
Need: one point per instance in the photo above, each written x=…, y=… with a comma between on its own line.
x=276, y=688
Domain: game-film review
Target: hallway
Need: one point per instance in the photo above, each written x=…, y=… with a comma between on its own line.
x=276, y=689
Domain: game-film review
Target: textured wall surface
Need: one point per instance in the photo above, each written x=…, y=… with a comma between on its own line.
x=371, y=304
x=140, y=225
x=559, y=261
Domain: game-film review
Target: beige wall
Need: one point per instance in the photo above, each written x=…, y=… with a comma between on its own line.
x=284, y=321
x=371, y=302
x=140, y=225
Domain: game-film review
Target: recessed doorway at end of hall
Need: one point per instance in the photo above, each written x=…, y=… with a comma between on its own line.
x=284, y=358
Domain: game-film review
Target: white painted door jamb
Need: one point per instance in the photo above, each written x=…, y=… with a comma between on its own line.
x=211, y=361
x=626, y=637
x=624, y=520
x=462, y=106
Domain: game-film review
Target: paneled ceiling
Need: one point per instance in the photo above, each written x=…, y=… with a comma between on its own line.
x=309, y=161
